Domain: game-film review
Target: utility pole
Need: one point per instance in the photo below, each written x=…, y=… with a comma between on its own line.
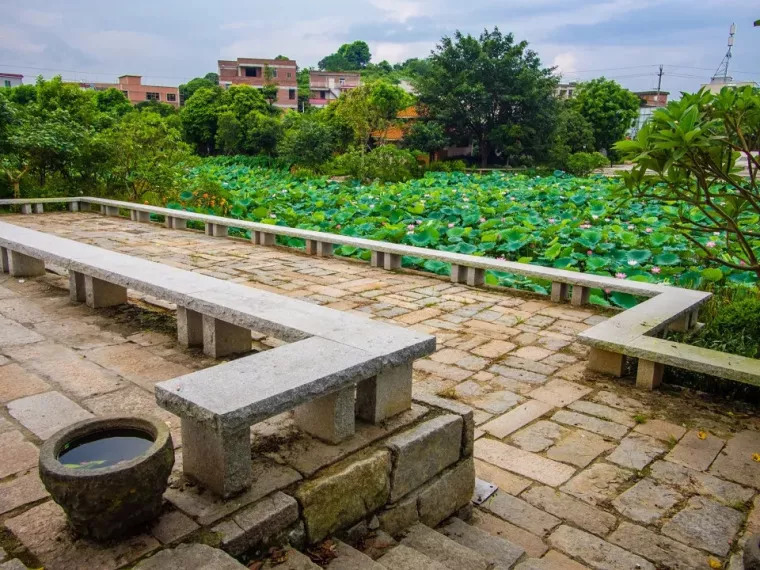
x=659, y=82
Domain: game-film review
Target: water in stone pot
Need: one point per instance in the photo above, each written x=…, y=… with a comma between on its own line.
x=105, y=448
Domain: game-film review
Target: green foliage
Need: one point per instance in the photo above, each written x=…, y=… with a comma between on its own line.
x=229, y=133
x=187, y=90
x=351, y=56
x=384, y=163
x=584, y=163
x=199, y=119
x=447, y=166
x=307, y=143
x=262, y=133
x=427, y=136
x=573, y=134
x=492, y=90
x=609, y=108
x=686, y=156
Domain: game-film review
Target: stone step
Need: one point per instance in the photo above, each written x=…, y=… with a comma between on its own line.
x=404, y=558
x=498, y=551
x=348, y=558
x=291, y=559
x=442, y=549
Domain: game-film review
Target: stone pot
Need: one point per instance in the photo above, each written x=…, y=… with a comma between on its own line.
x=108, y=502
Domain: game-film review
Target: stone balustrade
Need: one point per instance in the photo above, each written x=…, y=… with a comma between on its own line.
x=628, y=334
x=338, y=366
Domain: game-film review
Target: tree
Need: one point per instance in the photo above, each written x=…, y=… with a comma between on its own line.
x=262, y=133
x=282, y=58
x=212, y=77
x=427, y=136
x=269, y=92
x=307, y=143
x=333, y=62
x=490, y=90
x=686, y=155
x=351, y=56
x=229, y=133
x=199, y=119
x=187, y=90
x=369, y=108
x=147, y=157
x=113, y=102
x=609, y=108
x=573, y=134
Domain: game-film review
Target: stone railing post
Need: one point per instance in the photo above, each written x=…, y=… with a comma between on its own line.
x=580, y=295
x=330, y=418
x=262, y=238
x=39, y=208
x=26, y=208
x=605, y=361
x=216, y=230
x=24, y=266
x=4, y=262
x=649, y=374
x=559, y=292
x=73, y=206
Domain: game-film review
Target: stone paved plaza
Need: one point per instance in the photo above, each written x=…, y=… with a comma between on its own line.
x=591, y=472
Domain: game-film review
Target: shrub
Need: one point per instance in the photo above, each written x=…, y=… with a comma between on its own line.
x=385, y=163
x=308, y=143
x=735, y=328
x=584, y=163
x=448, y=166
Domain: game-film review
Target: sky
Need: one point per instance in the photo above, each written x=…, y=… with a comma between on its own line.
x=171, y=41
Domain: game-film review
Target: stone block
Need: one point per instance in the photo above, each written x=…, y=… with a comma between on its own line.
x=344, y=494
x=5, y=264
x=330, y=418
x=377, y=258
x=112, y=211
x=262, y=238
x=454, y=407
x=580, y=295
x=172, y=527
x=522, y=462
x=570, y=509
x=310, y=246
x=73, y=206
x=458, y=273
x=592, y=424
x=179, y=223
x=649, y=374
x=579, y=448
x=422, y=452
x=690, y=481
x=476, y=276
x=595, y=552
x=404, y=558
x=696, y=452
x=26, y=208
x=189, y=327
x=657, y=548
x=442, y=549
x=24, y=266
x=736, y=462
x=400, y=516
x=216, y=230
x=705, y=524
x=77, y=291
x=16, y=454
x=516, y=418
x=597, y=484
x=45, y=414
x=219, y=461
x=221, y=338
x=606, y=362
x=262, y=521
x=559, y=292
x=447, y=493
x=39, y=208
x=521, y=513
x=647, y=501
x=386, y=394
x=324, y=249
x=99, y=293
x=140, y=216
x=496, y=550
x=636, y=451
x=391, y=261
x=21, y=491
x=187, y=556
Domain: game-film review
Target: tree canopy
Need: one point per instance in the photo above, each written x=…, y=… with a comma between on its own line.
x=609, y=108
x=353, y=56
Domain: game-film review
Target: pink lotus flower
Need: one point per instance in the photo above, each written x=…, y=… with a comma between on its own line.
x=710, y=244
x=742, y=262
x=620, y=275
x=632, y=262
x=589, y=252
x=337, y=227
x=501, y=258
x=410, y=227
x=655, y=269
x=551, y=220
x=631, y=227
x=272, y=215
x=482, y=220
x=451, y=225
x=418, y=222
x=649, y=230
x=608, y=291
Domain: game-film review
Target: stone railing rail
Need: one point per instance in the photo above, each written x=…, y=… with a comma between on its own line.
x=337, y=366
x=629, y=333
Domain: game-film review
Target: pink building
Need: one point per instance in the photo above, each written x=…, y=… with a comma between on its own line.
x=136, y=92
x=326, y=86
x=260, y=72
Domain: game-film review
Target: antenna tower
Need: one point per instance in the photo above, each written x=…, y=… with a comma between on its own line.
x=721, y=74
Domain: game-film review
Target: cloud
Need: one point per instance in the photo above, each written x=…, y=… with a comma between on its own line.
x=565, y=62
x=12, y=39
x=40, y=18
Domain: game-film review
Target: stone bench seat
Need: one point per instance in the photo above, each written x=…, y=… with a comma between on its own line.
x=347, y=364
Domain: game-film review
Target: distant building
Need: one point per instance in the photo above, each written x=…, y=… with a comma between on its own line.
x=565, y=90
x=326, y=86
x=650, y=102
x=136, y=92
x=260, y=72
x=11, y=79
x=719, y=83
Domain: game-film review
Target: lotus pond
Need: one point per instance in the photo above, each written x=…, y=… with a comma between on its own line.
x=558, y=221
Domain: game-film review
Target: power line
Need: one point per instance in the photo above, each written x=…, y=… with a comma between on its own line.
x=87, y=72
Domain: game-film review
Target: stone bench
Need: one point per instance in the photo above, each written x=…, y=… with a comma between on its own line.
x=368, y=363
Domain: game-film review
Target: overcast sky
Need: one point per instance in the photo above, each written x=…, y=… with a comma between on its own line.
x=170, y=41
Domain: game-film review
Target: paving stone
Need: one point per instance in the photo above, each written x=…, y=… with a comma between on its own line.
x=518, y=375
x=504, y=480
x=404, y=558
x=596, y=552
x=636, y=451
x=12, y=333
x=516, y=418
x=348, y=558
x=532, y=544
x=528, y=365
x=705, y=524
x=423, y=451
x=137, y=401
x=532, y=353
x=661, y=430
x=736, y=462
x=15, y=382
x=493, y=349
x=539, y=436
x=604, y=412
x=522, y=462
x=620, y=402
x=190, y=556
x=77, y=333
x=694, y=452
x=438, y=547
x=552, y=561
x=520, y=513
x=598, y=483
x=559, y=392
x=43, y=530
x=137, y=365
x=45, y=414
x=570, y=509
x=497, y=551
x=262, y=520
x=16, y=454
x=442, y=370
x=579, y=448
x=690, y=482
x=647, y=501
x=173, y=526
x=589, y=423
x=449, y=356
x=21, y=491
x=496, y=402
x=657, y=548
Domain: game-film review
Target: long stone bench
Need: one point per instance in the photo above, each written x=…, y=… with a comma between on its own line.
x=338, y=366
x=667, y=307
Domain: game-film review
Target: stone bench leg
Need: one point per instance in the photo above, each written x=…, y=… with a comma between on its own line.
x=26, y=208
x=112, y=211
x=175, y=223
x=84, y=206
x=221, y=338
x=377, y=258
x=606, y=361
x=24, y=266
x=476, y=276
x=5, y=265
x=649, y=374
x=73, y=206
x=221, y=462
x=685, y=322
x=39, y=208
x=77, y=290
x=385, y=395
x=458, y=273
x=310, y=246
x=324, y=249
x=261, y=238
x=99, y=293
x=559, y=292
x=392, y=261
x=216, y=230
x=138, y=216
x=580, y=296
x=189, y=327
x=330, y=418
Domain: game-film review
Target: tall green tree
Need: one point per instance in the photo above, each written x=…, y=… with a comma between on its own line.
x=573, y=134
x=186, y=90
x=353, y=56
x=427, y=136
x=199, y=118
x=609, y=108
x=491, y=90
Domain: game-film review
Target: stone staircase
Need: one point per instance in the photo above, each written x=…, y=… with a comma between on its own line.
x=455, y=545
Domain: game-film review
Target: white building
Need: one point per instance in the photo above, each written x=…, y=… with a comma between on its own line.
x=11, y=79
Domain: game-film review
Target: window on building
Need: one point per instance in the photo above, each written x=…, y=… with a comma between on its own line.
x=7, y=82
x=152, y=96
x=291, y=94
x=323, y=94
x=274, y=71
x=126, y=94
x=289, y=76
x=342, y=80
x=171, y=97
x=253, y=72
